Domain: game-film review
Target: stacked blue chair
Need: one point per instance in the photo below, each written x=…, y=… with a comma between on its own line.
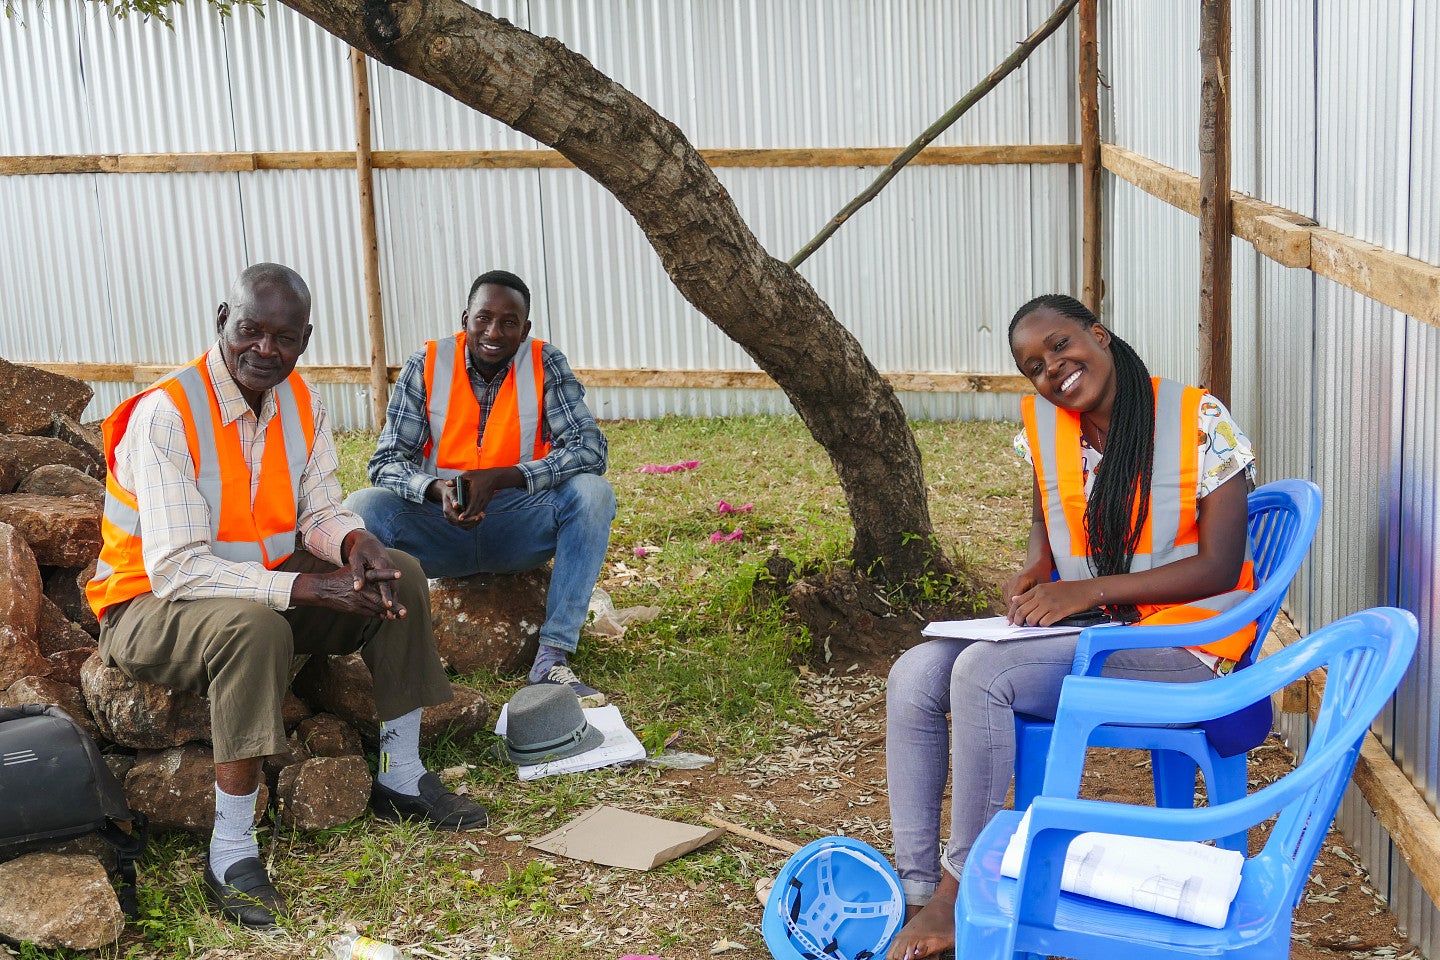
x=1365, y=655
x=1282, y=519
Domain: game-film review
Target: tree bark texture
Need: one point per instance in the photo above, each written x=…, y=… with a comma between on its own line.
x=541, y=88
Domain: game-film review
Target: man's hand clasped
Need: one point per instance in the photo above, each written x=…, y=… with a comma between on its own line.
x=363, y=585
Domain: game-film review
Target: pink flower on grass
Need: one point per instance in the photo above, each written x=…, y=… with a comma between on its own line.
x=720, y=536
x=723, y=507
x=668, y=467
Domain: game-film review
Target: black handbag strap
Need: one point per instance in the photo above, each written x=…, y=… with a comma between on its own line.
x=129, y=847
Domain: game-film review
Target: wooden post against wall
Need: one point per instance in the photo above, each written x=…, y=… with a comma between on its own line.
x=1090, y=153
x=1215, y=208
x=365, y=178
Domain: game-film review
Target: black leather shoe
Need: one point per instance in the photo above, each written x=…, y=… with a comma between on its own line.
x=246, y=896
x=436, y=805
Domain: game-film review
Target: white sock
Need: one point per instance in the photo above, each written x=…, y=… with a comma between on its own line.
x=400, y=766
x=233, y=838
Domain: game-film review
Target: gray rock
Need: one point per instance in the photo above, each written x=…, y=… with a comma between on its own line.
x=24, y=454
x=175, y=788
x=293, y=710
x=85, y=439
x=59, y=480
x=326, y=735
x=50, y=690
x=63, y=531
x=55, y=632
x=66, y=587
x=323, y=792
x=120, y=764
x=489, y=621
x=275, y=763
x=56, y=901
x=20, y=596
x=342, y=686
x=30, y=397
x=142, y=715
x=65, y=665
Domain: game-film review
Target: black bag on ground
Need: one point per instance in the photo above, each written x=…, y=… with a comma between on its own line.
x=54, y=785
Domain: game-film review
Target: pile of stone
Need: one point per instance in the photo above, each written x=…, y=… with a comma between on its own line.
x=52, y=469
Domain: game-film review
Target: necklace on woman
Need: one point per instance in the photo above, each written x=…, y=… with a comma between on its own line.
x=1095, y=436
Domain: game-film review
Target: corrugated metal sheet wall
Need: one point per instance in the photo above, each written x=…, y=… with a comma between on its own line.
x=925, y=277
x=1348, y=395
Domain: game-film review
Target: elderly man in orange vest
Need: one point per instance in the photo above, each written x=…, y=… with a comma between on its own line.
x=490, y=462
x=227, y=551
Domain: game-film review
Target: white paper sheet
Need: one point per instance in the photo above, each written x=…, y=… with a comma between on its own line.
x=620, y=745
x=990, y=628
x=1174, y=878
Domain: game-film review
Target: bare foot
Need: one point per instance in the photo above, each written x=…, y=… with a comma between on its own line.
x=932, y=929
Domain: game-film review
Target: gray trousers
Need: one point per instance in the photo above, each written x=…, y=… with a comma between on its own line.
x=238, y=653
x=981, y=685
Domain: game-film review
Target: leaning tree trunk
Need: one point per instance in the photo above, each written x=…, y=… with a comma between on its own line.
x=543, y=89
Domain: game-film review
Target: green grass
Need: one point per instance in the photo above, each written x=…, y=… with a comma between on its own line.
x=715, y=665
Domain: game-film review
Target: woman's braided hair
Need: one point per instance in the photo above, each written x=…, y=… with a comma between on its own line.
x=1120, y=496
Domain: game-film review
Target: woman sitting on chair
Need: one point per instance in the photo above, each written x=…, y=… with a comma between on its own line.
x=1137, y=507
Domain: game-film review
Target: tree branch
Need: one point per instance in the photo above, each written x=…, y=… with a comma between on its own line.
x=991, y=81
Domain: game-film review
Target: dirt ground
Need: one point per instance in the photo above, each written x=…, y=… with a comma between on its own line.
x=831, y=780
x=826, y=778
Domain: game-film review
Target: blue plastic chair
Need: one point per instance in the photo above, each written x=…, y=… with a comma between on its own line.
x=1282, y=519
x=1366, y=655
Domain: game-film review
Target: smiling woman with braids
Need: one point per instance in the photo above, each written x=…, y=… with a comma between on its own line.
x=1137, y=510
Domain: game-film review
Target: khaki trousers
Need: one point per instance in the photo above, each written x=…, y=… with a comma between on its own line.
x=238, y=653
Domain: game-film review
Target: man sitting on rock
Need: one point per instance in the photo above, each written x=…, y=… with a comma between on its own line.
x=490, y=462
x=215, y=473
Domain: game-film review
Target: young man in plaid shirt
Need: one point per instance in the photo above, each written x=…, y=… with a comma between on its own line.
x=490, y=462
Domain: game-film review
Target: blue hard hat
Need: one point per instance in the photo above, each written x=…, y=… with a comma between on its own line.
x=835, y=899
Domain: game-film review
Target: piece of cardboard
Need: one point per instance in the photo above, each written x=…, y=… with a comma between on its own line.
x=619, y=838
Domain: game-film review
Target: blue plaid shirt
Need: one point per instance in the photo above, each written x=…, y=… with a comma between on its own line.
x=576, y=443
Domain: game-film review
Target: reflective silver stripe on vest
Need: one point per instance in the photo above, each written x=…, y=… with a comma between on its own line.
x=127, y=520
x=528, y=405
x=287, y=408
x=438, y=404
x=1165, y=484
x=1057, y=528
x=1222, y=601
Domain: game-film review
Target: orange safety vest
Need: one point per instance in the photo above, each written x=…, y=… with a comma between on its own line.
x=512, y=430
x=1171, y=530
x=239, y=531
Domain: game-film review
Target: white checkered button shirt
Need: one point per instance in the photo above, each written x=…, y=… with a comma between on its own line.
x=153, y=460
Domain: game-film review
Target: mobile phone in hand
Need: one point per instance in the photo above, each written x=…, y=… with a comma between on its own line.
x=459, y=494
x=1085, y=618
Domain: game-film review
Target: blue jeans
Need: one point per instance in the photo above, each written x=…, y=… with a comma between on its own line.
x=521, y=531
x=981, y=685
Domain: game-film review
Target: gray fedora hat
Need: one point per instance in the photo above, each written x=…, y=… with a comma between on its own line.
x=546, y=722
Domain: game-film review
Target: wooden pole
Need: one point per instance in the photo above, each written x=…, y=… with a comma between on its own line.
x=365, y=178
x=1215, y=207
x=1008, y=65
x=1090, y=154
